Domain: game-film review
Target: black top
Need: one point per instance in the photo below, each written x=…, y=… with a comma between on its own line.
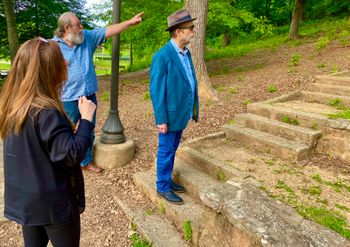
x=43, y=180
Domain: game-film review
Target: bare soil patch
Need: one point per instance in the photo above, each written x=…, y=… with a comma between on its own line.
x=240, y=80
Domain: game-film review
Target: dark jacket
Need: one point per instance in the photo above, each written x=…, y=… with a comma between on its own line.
x=43, y=180
x=171, y=91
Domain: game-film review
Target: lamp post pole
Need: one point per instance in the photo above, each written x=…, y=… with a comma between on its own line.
x=113, y=130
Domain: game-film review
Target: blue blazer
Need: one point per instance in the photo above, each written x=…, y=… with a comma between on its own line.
x=171, y=91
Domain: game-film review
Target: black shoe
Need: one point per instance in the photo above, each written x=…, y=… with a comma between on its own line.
x=171, y=197
x=177, y=187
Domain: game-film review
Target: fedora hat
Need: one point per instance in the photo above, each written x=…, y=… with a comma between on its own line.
x=177, y=18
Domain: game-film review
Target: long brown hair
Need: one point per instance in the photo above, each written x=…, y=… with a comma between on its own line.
x=35, y=81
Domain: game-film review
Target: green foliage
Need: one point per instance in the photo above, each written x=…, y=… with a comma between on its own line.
x=146, y=96
x=272, y=88
x=327, y=218
x=1, y=83
x=220, y=174
x=335, y=102
x=342, y=207
x=232, y=122
x=219, y=88
x=246, y=101
x=284, y=186
x=161, y=208
x=295, y=59
x=289, y=120
x=137, y=241
x=321, y=65
x=105, y=95
x=334, y=69
x=345, y=114
x=149, y=212
x=322, y=43
x=313, y=190
x=314, y=126
x=232, y=90
x=187, y=230
x=38, y=18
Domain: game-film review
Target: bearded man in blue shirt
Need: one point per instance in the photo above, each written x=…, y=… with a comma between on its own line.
x=174, y=94
x=78, y=46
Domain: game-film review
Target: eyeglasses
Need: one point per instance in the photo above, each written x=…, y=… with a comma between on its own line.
x=43, y=40
x=188, y=27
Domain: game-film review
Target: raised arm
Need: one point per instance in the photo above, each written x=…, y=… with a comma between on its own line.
x=120, y=27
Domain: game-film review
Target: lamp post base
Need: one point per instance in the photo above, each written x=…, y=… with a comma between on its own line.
x=109, y=156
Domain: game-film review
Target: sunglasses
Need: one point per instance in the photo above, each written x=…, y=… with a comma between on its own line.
x=42, y=40
x=188, y=27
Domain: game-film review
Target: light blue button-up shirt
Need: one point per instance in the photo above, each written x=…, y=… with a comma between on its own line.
x=185, y=60
x=82, y=80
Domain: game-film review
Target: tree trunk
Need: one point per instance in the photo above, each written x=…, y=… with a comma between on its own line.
x=199, y=9
x=267, y=9
x=294, y=26
x=226, y=40
x=11, y=27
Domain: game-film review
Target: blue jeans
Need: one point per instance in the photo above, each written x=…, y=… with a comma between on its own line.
x=72, y=110
x=167, y=146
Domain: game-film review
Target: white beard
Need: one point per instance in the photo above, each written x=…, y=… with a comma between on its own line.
x=76, y=39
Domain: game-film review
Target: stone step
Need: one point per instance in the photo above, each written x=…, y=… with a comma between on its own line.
x=253, y=218
x=156, y=229
x=275, y=145
x=333, y=80
x=191, y=210
x=305, y=119
x=195, y=180
x=328, y=88
x=291, y=132
x=215, y=168
x=325, y=98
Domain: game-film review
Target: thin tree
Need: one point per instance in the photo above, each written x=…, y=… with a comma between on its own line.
x=199, y=9
x=294, y=26
x=12, y=33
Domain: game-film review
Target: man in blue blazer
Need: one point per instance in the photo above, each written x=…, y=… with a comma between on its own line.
x=174, y=94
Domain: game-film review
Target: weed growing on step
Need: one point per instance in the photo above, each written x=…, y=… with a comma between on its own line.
x=270, y=162
x=295, y=59
x=219, y=88
x=232, y=121
x=289, y=120
x=187, y=230
x=161, y=208
x=328, y=218
x=313, y=190
x=220, y=175
x=246, y=101
x=105, y=95
x=314, y=126
x=334, y=69
x=149, y=212
x=335, y=102
x=321, y=43
x=252, y=161
x=284, y=186
x=317, y=178
x=344, y=37
x=272, y=88
x=345, y=114
x=232, y=90
x=146, y=96
x=137, y=241
x=342, y=207
x=321, y=65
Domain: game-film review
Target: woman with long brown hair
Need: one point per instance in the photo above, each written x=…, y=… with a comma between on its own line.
x=44, y=188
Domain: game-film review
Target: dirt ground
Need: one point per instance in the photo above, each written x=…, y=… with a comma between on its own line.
x=237, y=80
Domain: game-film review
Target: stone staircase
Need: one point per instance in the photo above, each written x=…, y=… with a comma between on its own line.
x=224, y=206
